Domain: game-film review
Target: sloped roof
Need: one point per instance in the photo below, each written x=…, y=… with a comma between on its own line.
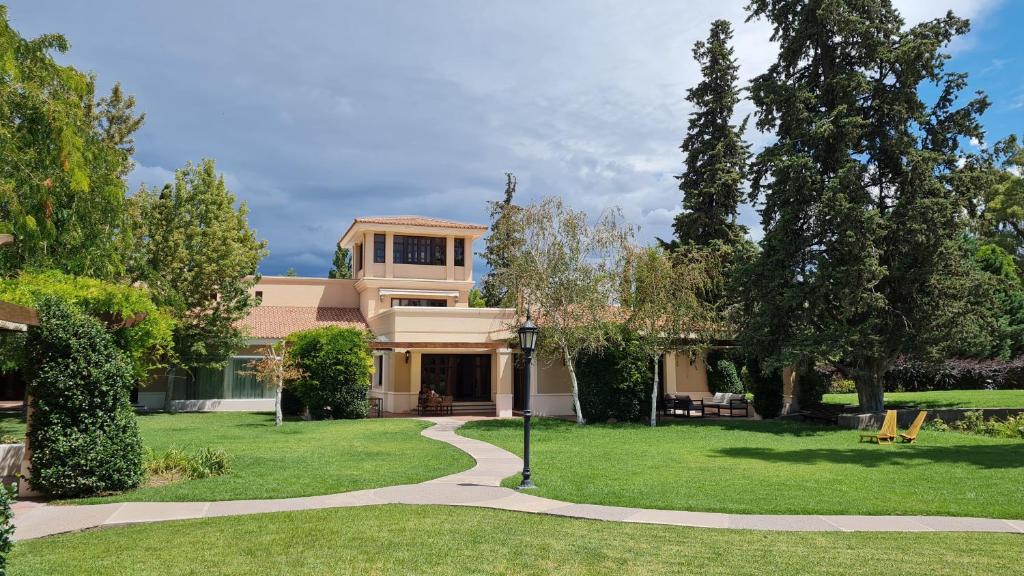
x=280, y=321
x=418, y=221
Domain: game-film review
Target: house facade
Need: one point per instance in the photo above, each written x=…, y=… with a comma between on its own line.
x=411, y=278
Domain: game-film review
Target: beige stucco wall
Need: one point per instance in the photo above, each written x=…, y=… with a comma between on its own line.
x=552, y=378
x=691, y=376
x=297, y=291
x=399, y=373
x=410, y=324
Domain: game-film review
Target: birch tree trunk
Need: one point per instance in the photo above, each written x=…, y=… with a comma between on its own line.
x=169, y=402
x=278, y=416
x=654, y=395
x=575, y=387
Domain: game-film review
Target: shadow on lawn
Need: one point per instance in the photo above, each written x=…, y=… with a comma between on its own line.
x=987, y=457
x=775, y=427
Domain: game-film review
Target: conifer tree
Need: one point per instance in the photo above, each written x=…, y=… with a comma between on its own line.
x=502, y=244
x=342, y=265
x=859, y=261
x=716, y=155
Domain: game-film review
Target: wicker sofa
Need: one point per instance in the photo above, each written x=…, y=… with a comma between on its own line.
x=726, y=404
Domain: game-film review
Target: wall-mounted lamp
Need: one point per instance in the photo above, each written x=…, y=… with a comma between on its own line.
x=408, y=355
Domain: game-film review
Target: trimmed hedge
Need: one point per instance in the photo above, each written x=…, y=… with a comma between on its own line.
x=956, y=374
x=338, y=366
x=83, y=435
x=6, y=525
x=616, y=382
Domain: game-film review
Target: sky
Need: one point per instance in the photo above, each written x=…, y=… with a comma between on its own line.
x=321, y=111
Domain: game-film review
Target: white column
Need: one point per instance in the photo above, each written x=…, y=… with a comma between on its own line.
x=502, y=381
x=389, y=255
x=449, y=258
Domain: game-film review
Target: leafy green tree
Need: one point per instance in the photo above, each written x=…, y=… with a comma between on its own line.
x=275, y=368
x=502, y=244
x=991, y=180
x=199, y=259
x=291, y=273
x=661, y=301
x=137, y=326
x=63, y=157
x=336, y=365
x=342, y=267
x=476, y=298
x=567, y=273
x=860, y=260
x=716, y=155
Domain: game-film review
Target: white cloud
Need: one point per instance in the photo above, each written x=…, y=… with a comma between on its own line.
x=325, y=111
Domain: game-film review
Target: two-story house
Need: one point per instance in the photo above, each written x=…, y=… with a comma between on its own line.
x=411, y=278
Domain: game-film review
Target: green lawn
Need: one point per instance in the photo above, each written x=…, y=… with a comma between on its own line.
x=11, y=423
x=767, y=468
x=447, y=541
x=942, y=399
x=297, y=459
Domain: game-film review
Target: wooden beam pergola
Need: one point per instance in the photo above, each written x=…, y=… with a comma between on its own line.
x=15, y=318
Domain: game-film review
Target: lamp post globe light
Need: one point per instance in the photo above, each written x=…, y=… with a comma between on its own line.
x=528, y=343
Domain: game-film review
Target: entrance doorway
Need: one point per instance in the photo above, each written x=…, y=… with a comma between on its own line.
x=465, y=377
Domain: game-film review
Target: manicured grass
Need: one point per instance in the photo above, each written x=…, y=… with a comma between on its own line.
x=297, y=459
x=11, y=423
x=942, y=399
x=767, y=467
x=447, y=541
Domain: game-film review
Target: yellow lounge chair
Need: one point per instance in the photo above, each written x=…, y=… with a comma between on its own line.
x=911, y=435
x=887, y=433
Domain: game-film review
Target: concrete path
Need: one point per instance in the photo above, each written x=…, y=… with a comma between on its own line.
x=480, y=487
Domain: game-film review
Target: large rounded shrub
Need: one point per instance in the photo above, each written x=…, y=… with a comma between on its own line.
x=83, y=434
x=338, y=366
x=616, y=382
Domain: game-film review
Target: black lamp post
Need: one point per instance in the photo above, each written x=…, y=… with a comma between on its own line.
x=528, y=342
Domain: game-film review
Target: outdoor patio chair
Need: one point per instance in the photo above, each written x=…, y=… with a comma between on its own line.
x=910, y=436
x=887, y=433
x=447, y=405
x=675, y=404
x=376, y=405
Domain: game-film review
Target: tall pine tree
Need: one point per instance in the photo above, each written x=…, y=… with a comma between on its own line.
x=501, y=247
x=716, y=155
x=859, y=261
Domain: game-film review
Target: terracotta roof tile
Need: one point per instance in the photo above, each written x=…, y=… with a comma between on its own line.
x=280, y=321
x=418, y=221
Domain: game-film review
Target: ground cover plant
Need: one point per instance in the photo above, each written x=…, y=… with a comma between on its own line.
x=766, y=468
x=297, y=459
x=449, y=540
x=175, y=465
x=941, y=399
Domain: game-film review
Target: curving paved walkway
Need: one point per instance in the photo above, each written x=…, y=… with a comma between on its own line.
x=479, y=486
